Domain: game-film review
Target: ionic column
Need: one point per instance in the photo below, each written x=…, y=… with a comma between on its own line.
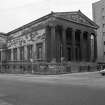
x=18, y=54
x=64, y=43
x=1, y=55
x=25, y=54
x=73, y=44
x=34, y=51
x=81, y=47
x=89, y=47
x=53, y=43
x=95, y=48
x=48, y=43
x=44, y=51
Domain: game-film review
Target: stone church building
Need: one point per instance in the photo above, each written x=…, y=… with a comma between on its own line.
x=68, y=36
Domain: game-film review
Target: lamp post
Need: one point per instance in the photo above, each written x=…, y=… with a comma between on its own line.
x=32, y=65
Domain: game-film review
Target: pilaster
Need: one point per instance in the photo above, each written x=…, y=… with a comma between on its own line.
x=25, y=54
x=81, y=47
x=53, y=43
x=34, y=51
x=95, y=47
x=64, y=43
x=44, y=51
x=18, y=53
x=89, y=47
x=12, y=54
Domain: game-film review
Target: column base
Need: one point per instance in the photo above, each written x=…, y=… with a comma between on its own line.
x=53, y=60
x=62, y=59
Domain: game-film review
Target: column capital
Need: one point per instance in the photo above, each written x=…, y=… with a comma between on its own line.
x=64, y=28
x=51, y=25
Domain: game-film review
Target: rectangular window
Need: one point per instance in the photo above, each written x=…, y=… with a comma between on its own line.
x=8, y=56
x=102, y=10
x=29, y=51
x=103, y=25
x=104, y=53
x=15, y=54
x=104, y=42
x=103, y=17
x=39, y=51
x=103, y=33
x=69, y=54
x=22, y=53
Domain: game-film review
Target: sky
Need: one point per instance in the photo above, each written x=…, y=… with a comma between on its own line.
x=15, y=13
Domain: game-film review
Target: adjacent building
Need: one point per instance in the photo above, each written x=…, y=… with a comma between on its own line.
x=99, y=19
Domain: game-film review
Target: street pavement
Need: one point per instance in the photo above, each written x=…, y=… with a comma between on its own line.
x=66, y=89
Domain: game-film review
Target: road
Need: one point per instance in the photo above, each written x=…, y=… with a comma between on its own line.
x=68, y=89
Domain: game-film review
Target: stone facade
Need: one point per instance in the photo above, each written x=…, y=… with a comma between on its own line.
x=56, y=37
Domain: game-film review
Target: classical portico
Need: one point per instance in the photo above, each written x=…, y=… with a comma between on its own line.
x=70, y=43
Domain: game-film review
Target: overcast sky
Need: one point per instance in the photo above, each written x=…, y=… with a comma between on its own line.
x=15, y=13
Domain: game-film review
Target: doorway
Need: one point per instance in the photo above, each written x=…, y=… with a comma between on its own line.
x=69, y=54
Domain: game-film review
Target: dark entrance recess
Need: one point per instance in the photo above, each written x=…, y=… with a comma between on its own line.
x=69, y=54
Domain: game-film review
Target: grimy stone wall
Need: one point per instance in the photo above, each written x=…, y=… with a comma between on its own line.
x=45, y=68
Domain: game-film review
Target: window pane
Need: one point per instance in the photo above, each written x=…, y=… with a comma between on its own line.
x=22, y=53
x=15, y=53
x=29, y=51
x=39, y=51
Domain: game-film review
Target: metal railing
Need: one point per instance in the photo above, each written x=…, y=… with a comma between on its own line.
x=40, y=67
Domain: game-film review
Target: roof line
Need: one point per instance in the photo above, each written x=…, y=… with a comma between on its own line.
x=30, y=23
x=74, y=22
x=88, y=19
x=67, y=12
x=47, y=16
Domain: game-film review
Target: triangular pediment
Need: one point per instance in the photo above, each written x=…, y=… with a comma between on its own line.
x=77, y=17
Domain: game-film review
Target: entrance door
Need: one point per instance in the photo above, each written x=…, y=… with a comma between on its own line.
x=77, y=53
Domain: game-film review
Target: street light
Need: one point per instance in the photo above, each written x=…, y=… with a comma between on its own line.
x=32, y=65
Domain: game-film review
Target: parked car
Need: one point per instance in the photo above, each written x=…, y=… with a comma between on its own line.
x=102, y=72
